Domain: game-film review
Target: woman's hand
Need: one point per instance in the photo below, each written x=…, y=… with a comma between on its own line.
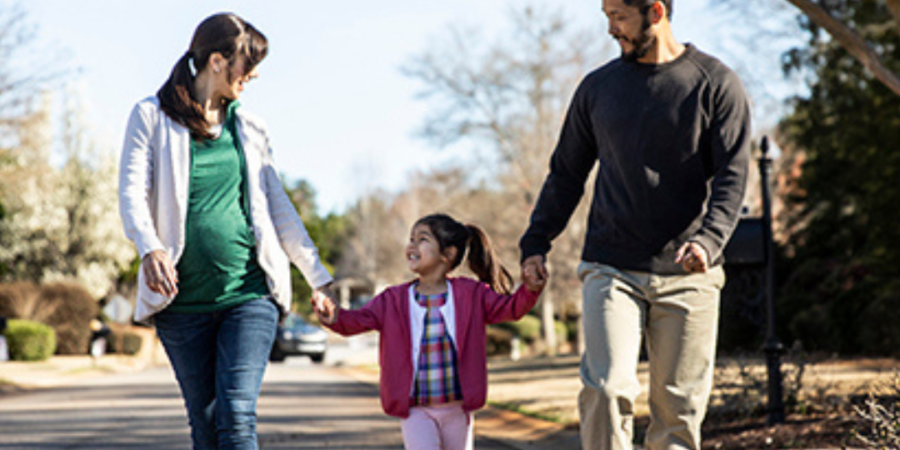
x=159, y=273
x=324, y=305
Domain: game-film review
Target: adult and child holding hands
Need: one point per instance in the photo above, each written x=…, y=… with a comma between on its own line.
x=668, y=126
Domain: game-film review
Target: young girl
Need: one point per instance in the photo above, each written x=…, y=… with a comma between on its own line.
x=432, y=349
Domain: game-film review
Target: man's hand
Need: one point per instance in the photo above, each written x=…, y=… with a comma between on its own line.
x=692, y=256
x=160, y=275
x=324, y=305
x=534, y=273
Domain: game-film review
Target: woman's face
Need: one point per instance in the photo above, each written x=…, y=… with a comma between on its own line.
x=232, y=80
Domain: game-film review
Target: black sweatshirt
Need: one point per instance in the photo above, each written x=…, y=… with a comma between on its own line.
x=673, y=143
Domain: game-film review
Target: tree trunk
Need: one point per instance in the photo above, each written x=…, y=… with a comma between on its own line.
x=547, y=320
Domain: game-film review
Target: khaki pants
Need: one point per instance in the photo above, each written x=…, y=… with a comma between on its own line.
x=678, y=315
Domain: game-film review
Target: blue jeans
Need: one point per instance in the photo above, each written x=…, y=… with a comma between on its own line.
x=219, y=360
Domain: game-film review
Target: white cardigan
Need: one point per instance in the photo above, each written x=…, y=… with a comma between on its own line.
x=153, y=197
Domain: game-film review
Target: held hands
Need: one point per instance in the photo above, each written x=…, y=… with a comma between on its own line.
x=160, y=275
x=324, y=305
x=534, y=273
x=692, y=256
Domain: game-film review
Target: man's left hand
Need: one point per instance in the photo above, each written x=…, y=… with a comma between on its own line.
x=692, y=256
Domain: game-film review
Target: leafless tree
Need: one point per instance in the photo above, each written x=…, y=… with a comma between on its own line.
x=507, y=98
x=24, y=72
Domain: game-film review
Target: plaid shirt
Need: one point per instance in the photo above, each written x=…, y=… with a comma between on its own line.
x=437, y=380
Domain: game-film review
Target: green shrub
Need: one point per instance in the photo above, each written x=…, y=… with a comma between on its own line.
x=498, y=340
x=562, y=332
x=73, y=309
x=572, y=330
x=30, y=341
x=131, y=343
x=527, y=328
x=125, y=343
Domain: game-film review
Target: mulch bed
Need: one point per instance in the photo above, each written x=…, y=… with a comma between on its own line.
x=798, y=431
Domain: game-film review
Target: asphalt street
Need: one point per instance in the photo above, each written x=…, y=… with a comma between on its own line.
x=302, y=406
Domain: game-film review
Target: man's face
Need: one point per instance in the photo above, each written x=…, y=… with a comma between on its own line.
x=630, y=28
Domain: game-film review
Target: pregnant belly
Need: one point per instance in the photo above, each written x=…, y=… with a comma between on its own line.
x=216, y=242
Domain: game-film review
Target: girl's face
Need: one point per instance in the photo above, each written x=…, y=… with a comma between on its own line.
x=423, y=253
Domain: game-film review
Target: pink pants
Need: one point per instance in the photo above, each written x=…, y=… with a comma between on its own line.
x=443, y=427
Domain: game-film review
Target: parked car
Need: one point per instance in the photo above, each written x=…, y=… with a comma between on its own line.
x=295, y=336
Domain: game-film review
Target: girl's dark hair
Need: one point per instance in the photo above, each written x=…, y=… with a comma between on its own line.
x=224, y=33
x=645, y=5
x=481, y=257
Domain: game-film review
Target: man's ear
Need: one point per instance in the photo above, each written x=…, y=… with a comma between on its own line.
x=657, y=12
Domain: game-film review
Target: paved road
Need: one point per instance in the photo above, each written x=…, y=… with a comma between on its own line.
x=303, y=406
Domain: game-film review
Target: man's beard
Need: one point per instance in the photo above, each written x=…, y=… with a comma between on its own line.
x=642, y=44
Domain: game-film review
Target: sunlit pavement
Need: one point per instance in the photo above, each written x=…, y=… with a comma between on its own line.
x=302, y=406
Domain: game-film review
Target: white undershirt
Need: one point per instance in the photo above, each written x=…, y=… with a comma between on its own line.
x=216, y=130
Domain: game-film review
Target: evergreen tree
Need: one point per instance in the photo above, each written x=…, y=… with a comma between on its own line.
x=842, y=286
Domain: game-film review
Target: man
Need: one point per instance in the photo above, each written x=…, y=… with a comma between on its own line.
x=670, y=128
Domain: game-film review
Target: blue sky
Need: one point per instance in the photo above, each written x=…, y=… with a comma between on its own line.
x=340, y=113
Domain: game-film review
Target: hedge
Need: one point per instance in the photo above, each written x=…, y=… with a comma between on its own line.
x=125, y=343
x=527, y=328
x=73, y=310
x=30, y=341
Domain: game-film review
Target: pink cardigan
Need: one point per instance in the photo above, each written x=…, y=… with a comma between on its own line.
x=475, y=305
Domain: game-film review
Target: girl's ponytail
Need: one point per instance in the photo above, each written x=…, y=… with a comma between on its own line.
x=471, y=241
x=484, y=262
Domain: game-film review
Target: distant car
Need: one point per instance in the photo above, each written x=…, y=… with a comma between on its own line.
x=295, y=336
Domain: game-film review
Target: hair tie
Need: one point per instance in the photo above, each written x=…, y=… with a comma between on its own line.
x=191, y=66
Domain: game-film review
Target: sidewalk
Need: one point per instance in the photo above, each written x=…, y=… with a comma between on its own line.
x=547, y=384
x=60, y=370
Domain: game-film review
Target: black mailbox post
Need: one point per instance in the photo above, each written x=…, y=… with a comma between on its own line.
x=752, y=244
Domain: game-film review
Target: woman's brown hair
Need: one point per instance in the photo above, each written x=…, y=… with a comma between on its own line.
x=483, y=262
x=224, y=33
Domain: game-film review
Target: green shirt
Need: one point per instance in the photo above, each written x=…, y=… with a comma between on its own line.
x=219, y=267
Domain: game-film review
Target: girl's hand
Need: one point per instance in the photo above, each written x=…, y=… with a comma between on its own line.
x=160, y=274
x=534, y=273
x=324, y=305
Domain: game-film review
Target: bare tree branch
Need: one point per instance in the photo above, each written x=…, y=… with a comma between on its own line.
x=851, y=41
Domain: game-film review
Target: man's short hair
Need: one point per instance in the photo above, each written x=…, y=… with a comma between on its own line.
x=646, y=4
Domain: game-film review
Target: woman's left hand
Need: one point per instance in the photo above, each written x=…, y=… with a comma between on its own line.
x=324, y=304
